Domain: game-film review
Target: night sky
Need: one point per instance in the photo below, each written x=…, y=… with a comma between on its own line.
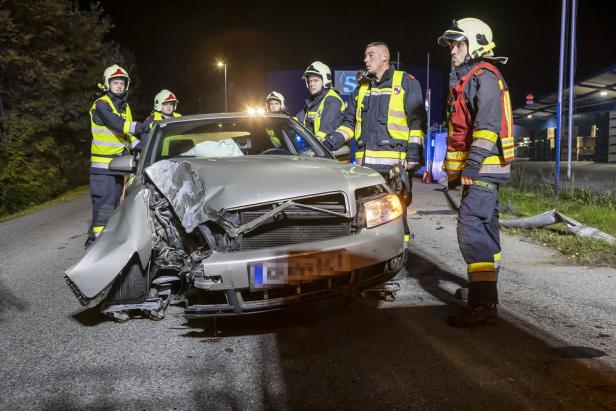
x=176, y=43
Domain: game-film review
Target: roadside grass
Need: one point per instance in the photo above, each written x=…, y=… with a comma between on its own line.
x=597, y=210
x=68, y=196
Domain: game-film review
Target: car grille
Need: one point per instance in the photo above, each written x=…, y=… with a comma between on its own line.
x=296, y=224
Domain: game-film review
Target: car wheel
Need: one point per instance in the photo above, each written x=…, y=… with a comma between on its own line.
x=402, y=273
x=129, y=287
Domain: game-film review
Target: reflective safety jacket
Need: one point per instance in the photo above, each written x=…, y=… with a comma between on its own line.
x=387, y=118
x=480, y=139
x=113, y=131
x=158, y=116
x=322, y=114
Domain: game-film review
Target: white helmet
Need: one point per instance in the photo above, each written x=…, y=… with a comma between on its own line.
x=115, y=71
x=274, y=95
x=477, y=33
x=319, y=69
x=164, y=96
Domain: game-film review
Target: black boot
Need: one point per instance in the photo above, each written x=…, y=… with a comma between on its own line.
x=89, y=241
x=474, y=316
x=461, y=294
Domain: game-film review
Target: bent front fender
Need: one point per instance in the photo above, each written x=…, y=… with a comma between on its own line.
x=127, y=232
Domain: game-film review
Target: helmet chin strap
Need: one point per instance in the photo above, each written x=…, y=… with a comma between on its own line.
x=483, y=50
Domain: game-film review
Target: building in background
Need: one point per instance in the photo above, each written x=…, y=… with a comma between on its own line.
x=594, y=120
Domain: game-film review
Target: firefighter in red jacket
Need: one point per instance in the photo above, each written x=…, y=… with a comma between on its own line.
x=479, y=152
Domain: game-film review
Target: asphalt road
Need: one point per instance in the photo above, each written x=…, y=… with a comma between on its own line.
x=554, y=348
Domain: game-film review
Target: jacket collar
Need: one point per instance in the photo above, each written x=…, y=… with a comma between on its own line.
x=386, y=76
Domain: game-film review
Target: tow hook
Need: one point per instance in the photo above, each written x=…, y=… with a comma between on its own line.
x=385, y=292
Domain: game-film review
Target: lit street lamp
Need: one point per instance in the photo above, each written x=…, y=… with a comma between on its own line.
x=223, y=65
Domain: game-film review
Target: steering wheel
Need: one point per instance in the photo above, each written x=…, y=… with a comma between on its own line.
x=276, y=151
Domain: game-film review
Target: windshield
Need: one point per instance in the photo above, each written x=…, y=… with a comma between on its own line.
x=234, y=137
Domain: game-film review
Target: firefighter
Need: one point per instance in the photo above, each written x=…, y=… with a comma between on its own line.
x=479, y=153
x=387, y=118
x=165, y=104
x=113, y=135
x=274, y=103
x=324, y=106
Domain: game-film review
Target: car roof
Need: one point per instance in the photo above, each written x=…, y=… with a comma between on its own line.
x=223, y=116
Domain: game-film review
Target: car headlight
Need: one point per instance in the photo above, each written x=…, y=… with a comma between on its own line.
x=382, y=210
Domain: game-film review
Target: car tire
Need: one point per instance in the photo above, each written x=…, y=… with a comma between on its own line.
x=130, y=286
x=402, y=273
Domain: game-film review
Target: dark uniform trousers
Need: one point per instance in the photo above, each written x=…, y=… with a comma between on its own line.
x=479, y=240
x=106, y=192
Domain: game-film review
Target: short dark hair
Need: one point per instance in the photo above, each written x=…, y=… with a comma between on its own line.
x=379, y=44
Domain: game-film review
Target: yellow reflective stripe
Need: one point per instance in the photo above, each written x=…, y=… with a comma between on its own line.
x=483, y=266
x=317, y=114
x=453, y=165
x=486, y=134
x=494, y=160
x=397, y=124
x=417, y=133
x=382, y=154
x=97, y=229
x=106, y=151
x=500, y=84
x=497, y=257
x=103, y=160
x=363, y=88
x=456, y=155
x=407, y=237
x=508, y=113
x=346, y=132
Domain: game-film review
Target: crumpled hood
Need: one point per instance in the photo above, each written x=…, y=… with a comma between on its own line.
x=240, y=181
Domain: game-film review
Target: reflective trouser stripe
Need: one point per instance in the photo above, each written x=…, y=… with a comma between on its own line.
x=97, y=229
x=497, y=259
x=99, y=165
x=482, y=276
x=407, y=237
x=482, y=266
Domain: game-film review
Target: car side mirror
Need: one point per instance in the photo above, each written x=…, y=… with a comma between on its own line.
x=342, y=151
x=123, y=164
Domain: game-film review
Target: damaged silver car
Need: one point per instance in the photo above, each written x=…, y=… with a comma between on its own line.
x=233, y=214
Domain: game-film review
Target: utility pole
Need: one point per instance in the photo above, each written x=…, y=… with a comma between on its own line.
x=572, y=48
x=559, y=106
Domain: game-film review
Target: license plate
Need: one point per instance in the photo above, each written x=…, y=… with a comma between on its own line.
x=297, y=269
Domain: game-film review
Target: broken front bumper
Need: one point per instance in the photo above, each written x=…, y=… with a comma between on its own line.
x=224, y=286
